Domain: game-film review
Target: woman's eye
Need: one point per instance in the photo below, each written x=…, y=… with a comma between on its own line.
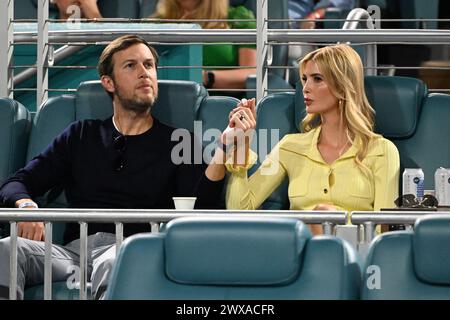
x=317, y=79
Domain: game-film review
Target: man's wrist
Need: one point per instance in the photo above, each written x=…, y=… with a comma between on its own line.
x=26, y=204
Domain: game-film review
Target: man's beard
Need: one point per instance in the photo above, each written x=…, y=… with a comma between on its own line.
x=134, y=103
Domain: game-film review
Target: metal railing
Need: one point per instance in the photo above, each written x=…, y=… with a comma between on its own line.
x=85, y=216
x=370, y=219
x=264, y=38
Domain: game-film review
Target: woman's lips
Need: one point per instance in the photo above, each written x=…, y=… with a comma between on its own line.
x=308, y=102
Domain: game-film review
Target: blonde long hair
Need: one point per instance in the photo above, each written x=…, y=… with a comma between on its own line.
x=342, y=69
x=207, y=9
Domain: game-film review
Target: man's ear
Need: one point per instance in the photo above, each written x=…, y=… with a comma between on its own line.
x=107, y=83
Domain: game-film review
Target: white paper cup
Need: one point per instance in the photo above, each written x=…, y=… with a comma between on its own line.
x=184, y=203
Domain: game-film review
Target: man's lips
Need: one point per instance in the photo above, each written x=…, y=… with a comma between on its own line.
x=145, y=86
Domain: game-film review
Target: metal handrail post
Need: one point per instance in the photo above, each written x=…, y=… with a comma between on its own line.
x=48, y=261
x=13, y=261
x=261, y=49
x=119, y=236
x=83, y=259
x=327, y=228
x=42, y=53
x=6, y=48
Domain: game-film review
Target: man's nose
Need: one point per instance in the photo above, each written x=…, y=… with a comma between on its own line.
x=143, y=71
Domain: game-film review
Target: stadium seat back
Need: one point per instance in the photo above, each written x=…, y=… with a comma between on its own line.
x=213, y=116
x=275, y=118
x=409, y=265
x=230, y=258
x=429, y=147
x=416, y=122
x=15, y=125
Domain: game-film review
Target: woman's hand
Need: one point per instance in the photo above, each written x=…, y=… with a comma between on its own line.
x=325, y=207
x=241, y=121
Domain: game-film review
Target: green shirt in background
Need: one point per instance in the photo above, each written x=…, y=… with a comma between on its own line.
x=228, y=54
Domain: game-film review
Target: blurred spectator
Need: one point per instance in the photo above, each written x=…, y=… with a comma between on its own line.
x=217, y=55
x=86, y=9
x=314, y=10
x=310, y=10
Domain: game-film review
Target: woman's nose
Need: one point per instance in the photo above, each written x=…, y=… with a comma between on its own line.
x=305, y=87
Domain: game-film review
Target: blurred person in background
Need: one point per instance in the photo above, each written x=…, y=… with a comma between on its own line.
x=314, y=10
x=227, y=55
x=88, y=9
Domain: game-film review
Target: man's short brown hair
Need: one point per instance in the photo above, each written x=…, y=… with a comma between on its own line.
x=105, y=64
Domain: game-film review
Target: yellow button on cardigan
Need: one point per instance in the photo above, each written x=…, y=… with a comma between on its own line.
x=312, y=181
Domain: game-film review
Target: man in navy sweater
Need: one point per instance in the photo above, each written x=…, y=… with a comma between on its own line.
x=121, y=162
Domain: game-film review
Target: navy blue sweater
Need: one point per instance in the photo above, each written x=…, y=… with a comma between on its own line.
x=81, y=161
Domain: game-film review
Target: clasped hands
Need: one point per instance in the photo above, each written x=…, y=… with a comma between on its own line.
x=241, y=124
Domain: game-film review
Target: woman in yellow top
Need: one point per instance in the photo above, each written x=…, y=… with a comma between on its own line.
x=338, y=163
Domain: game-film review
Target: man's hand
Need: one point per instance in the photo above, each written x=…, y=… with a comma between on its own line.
x=30, y=230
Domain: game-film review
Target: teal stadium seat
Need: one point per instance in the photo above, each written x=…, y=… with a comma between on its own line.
x=417, y=122
x=213, y=114
x=276, y=113
x=231, y=259
x=92, y=102
x=410, y=265
x=15, y=126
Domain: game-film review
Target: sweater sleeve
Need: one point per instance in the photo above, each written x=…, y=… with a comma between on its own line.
x=249, y=193
x=49, y=169
x=191, y=180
